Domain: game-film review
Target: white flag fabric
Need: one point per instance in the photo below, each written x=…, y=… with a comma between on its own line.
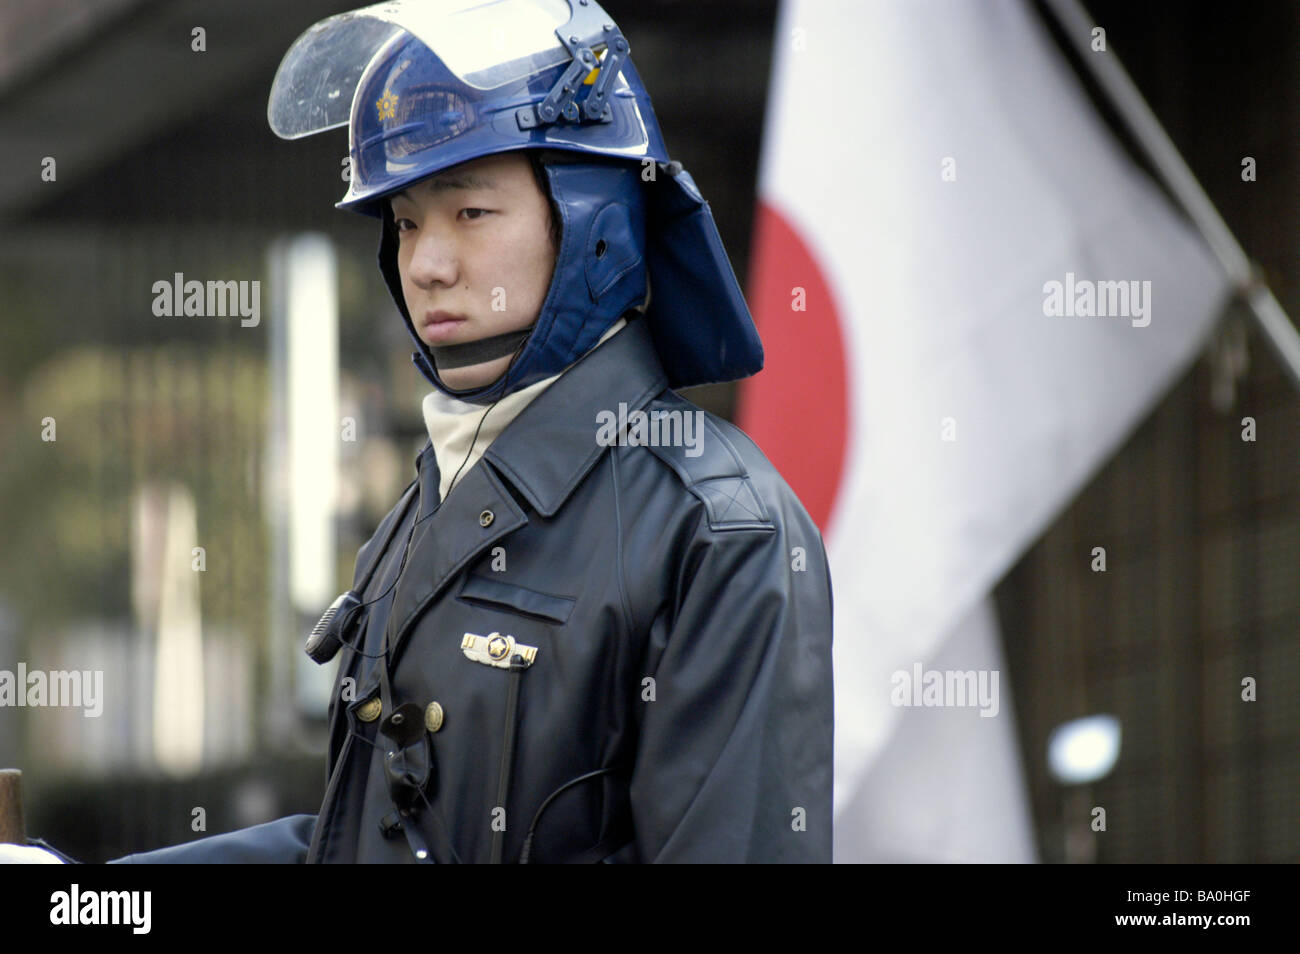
x=947, y=786
x=969, y=296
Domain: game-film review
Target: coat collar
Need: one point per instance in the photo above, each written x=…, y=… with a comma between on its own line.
x=550, y=446
x=543, y=454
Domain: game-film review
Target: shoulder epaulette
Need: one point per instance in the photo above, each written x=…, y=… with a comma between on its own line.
x=707, y=464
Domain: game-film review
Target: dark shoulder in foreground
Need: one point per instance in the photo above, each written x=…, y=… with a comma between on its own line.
x=722, y=466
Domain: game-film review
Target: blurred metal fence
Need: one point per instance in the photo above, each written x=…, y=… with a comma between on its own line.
x=1201, y=591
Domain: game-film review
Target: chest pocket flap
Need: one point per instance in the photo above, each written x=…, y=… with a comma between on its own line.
x=513, y=598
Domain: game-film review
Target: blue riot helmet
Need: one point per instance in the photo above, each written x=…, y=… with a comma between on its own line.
x=425, y=85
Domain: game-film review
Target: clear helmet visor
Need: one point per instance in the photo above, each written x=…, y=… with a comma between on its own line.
x=483, y=44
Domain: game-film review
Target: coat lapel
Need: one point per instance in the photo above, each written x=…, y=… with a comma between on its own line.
x=549, y=448
x=470, y=521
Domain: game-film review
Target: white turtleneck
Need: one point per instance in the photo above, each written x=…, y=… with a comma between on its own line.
x=451, y=423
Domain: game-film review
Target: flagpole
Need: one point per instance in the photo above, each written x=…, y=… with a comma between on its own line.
x=1143, y=125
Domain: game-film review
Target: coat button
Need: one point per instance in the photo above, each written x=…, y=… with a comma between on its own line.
x=485, y=518
x=433, y=717
x=369, y=710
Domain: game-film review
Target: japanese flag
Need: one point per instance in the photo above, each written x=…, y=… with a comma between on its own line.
x=969, y=296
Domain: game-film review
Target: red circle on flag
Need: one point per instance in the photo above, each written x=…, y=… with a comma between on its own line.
x=796, y=408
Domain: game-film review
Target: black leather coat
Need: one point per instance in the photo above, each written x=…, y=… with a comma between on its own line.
x=678, y=706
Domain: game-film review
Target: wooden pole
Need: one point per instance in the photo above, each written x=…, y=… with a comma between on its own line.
x=11, y=807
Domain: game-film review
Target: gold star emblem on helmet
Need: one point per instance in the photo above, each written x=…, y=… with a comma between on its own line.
x=387, y=105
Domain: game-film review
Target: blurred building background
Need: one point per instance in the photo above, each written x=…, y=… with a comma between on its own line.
x=174, y=432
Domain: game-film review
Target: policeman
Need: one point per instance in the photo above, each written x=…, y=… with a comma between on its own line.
x=597, y=625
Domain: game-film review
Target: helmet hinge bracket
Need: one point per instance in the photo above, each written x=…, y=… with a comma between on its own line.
x=587, y=30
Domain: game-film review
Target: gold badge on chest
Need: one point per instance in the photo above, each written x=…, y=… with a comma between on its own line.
x=495, y=649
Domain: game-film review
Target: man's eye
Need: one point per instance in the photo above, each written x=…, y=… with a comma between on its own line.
x=474, y=213
x=403, y=225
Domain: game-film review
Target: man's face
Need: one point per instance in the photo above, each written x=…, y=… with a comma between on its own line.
x=475, y=256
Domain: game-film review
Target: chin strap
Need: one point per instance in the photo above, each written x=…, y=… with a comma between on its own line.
x=447, y=357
